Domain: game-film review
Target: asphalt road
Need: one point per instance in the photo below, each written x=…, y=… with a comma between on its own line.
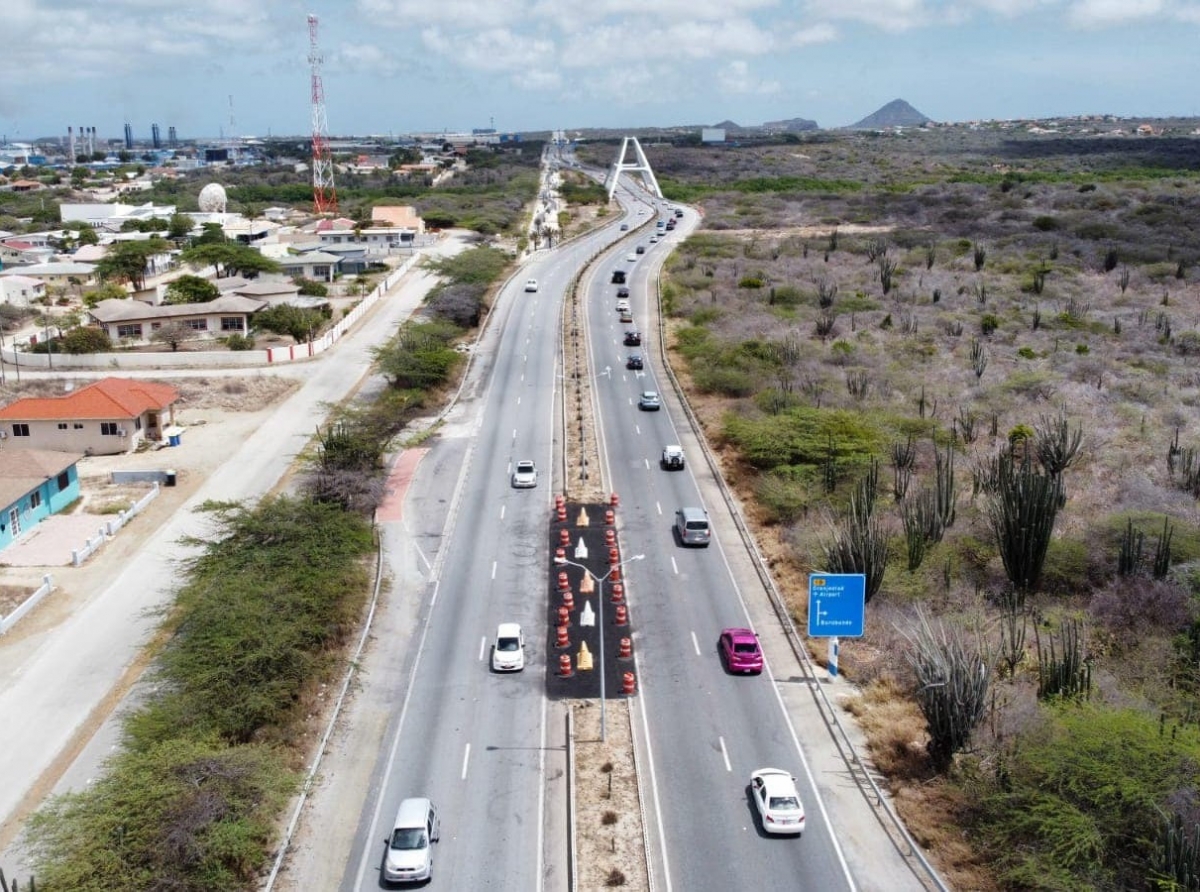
x=472, y=740
x=707, y=729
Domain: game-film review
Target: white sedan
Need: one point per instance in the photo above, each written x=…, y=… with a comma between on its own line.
x=524, y=475
x=531, y=285
x=778, y=803
x=508, y=654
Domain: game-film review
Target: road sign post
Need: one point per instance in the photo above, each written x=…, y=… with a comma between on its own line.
x=837, y=605
x=833, y=656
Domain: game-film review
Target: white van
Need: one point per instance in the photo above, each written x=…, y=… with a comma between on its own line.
x=410, y=847
x=691, y=525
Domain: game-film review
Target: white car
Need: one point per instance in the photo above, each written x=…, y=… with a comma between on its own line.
x=508, y=653
x=632, y=258
x=778, y=803
x=524, y=475
x=672, y=458
x=531, y=285
x=622, y=306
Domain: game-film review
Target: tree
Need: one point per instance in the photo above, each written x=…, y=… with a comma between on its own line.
x=230, y=258
x=210, y=234
x=103, y=292
x=179, y=226
x=310, y=287
x=126, y=261
x=191, y=290
x=85, y=339
x=299, y=324
x=78, y=176
x=173, y=333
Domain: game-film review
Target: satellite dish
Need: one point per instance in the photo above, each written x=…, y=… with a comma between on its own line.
x=212, y=199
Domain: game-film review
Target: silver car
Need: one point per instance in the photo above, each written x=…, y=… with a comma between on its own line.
x=524, y=475
x=649, y=402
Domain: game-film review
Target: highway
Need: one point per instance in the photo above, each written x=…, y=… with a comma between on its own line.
x=708, y=730
x=472, y=740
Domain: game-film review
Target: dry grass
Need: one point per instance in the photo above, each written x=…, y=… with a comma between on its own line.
x=608, y=817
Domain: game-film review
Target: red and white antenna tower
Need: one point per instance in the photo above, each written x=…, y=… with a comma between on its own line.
x=324, y=192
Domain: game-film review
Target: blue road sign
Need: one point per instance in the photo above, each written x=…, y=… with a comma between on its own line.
x=837, y=605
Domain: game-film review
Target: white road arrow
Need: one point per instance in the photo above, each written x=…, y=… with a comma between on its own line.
x=587, y=616
x=581, y=551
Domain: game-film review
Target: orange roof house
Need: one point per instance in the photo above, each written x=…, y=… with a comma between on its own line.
x=107, y=417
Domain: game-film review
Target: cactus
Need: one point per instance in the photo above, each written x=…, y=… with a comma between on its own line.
x=953, y=673
x=860, y=545
x=1064, y=671
x=945, y=497
x=979, y=358
x=903, y=456
x=980, y=256
x=887, y=269
x=966, y=425
x=917, y=514
x=1162, y=552
x=1014, y=622
x=1056, y=445
x=1021, y=514
x=826, y=293
x=1176, y=864
x=1129, y=557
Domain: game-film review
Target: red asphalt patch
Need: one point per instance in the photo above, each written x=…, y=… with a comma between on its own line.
x=391, y=508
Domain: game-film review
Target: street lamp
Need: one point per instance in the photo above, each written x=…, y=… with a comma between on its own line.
x=599, y=580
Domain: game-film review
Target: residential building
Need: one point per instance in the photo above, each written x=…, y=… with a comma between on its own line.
x=21, y=291
x=57, y=273
x=135, y=322
x=107, y=417
x=319, y=266
x=399, y=215
x=34, y=483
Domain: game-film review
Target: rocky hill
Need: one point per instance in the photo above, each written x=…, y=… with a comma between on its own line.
x=896, y=113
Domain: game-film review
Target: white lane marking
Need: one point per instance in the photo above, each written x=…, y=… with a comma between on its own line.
x=662, y=836
x=514, y=439
x=674, y=566
x=696, y=643
x=647, y=464
x=466, y=759
x=482, y=646
x=725, y=755
x=494, y=569
x=518, y=401
x=502, y=512
x=658, y=508
x=541, y=831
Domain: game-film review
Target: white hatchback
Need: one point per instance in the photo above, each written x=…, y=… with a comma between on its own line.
x=508, y=653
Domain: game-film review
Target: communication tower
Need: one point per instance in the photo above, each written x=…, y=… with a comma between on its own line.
x=324, y=192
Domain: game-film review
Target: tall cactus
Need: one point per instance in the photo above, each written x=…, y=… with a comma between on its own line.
x=1021, y=514
x=954, y=672
x=1176, y=864
x=945, y=494
x=860, y=545
x=1064, y=672
x=1056, y=445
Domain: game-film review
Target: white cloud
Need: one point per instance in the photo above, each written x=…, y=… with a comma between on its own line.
x=736, y=78
x=462, y=14
x=1104, y=13
x=496, y=49
x=888, y=15
x=821, y=33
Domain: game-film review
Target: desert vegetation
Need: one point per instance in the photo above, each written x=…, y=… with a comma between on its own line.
x=962, y=363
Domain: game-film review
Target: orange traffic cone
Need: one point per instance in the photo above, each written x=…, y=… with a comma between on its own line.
x=568, y=600
x=561, y=639
x=618, y=592
x=625, y=651
x=622, y=615
x=628, y=683
x=564, y=665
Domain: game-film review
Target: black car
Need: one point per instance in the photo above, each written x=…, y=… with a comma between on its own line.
x=622, y=292
x=633, y=338
x=618, y=277
x=641, y=249
x=634, y=361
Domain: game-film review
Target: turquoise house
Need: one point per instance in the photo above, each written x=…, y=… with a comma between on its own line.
x=34, y=483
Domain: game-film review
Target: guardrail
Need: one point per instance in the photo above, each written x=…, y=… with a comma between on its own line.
x=7, y=622
x=891, y=822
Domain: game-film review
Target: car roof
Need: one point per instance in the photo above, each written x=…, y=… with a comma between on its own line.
x=741, y=635
x=777, y=781
x=673, y=447
x=508, y=630
x=649, y=393
x=525, y=463
x=412, y=812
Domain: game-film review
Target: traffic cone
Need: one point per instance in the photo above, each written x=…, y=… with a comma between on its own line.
x=564, y=666
x=564, y=537
x=614, y=556
x=615, y=573
x=561, y=639
x=618, y=592
x=609, y=517
x=610, y=538
x=568, y=601
x=560, y=554
x=613, y=500
x=625, y=650
x=563, y=582
x=564, y=614
x=628, y=684
x=622, y=615
x=560, y=513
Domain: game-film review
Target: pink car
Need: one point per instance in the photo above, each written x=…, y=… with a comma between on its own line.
x=740, y=651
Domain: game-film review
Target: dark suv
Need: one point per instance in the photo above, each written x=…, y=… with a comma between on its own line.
x=634, y=361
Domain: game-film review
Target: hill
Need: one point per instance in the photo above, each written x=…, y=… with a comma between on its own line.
x=896, y=113
x=791, y=125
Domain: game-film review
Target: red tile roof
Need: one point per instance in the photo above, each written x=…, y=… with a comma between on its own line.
x=110, y=398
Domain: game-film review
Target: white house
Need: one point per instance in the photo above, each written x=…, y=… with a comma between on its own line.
x=21, y=291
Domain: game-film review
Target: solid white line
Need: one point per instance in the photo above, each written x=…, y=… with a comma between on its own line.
x=662, y=836
x=482, y=646
x=541, y=818
x=696, y=643
x=466, y=759
x=725, y=755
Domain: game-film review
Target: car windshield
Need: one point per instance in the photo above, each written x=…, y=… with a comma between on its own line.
x=408, y=838
x=745, y=647
x=524, y=468
x=508, y=645
x=784, y=803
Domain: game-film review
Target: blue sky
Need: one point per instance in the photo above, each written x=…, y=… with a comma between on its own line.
x=399, y=66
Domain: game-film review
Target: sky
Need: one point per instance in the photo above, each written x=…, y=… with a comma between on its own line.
x=214, y=68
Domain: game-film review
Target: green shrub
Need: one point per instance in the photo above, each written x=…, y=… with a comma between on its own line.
x=1027, y=353
x=1067, y=569
x=804, y=436
x=724, y=380
x=239, y=342
x=784, y=493
x=1045, y=223
x=1082, y=349
x=988, y=323
x=750, y=282
x=1019, y=435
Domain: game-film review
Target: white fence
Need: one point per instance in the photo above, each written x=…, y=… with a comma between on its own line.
x=7, y=622
x=211, y=358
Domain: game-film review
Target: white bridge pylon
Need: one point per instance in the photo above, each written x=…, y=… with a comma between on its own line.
x=641, y=165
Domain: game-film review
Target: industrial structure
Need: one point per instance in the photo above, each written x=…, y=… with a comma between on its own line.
x=324, y=192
